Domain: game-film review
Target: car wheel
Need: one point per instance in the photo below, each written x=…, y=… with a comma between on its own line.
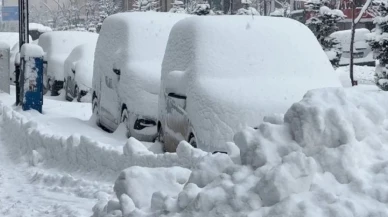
x=68, y=98
x=124, y=119
x=160, y=138
x=193, y=141
x=95, y=111
x=77, y=94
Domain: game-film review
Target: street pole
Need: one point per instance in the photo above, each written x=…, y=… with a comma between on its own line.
x=23, y=38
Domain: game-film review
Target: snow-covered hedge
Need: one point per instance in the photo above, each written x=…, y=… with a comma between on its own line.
x=326, y=158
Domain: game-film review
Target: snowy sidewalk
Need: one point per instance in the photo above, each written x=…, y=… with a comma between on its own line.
x=20, y=197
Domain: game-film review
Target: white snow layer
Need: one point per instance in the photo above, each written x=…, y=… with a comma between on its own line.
x=31, y=50
x=326, y=158
x=223, y=96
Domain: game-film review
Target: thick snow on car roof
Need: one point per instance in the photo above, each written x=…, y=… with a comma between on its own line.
x=240, y=69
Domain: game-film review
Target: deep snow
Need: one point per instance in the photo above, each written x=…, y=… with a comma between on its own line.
x=327, y=157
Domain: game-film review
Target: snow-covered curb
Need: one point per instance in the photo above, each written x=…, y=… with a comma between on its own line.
x=82, y=154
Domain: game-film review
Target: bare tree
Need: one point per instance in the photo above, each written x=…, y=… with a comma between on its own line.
x=354, y=24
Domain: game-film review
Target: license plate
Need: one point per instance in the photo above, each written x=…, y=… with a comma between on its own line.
x=358, y=55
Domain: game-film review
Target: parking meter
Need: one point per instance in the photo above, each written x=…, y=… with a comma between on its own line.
x=4, y=67
x=31, y=77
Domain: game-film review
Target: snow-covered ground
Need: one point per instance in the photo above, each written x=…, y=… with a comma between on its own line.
x=326, y=157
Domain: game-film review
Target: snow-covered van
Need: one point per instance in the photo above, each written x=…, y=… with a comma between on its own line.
x=363, y=54
x=57, y=46
x=127, y=66
x=222, y=73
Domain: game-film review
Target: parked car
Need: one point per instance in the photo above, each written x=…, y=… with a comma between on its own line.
x=57, y=46
x=127, y=65
x=79, y=72
x=214, y=83
x=363, y=54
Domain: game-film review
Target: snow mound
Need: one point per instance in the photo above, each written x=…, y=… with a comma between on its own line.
x=170, y=181
x=80, y=153
x=328, y=158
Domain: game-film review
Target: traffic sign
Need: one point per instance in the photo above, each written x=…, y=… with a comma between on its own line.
x=10, y=13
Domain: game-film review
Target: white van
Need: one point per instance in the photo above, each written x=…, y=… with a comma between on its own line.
x=127, y=65
x=222, y=73
x=363, y=54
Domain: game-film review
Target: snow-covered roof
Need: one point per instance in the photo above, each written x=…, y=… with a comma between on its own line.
x=39, y=27
x=240, y=68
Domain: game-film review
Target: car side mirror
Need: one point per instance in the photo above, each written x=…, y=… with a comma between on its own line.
x=178, y=100
x=117, y=71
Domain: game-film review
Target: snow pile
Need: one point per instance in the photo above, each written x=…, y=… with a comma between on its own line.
x=142, y=190
x=224, y=96
x=328, y=158
x=80, y=153
x=362, y=74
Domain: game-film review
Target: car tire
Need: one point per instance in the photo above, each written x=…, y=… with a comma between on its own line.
x=95, y=111
x=67, y=92
x=160, y=138
x=193, y=141
x=77, y=94
x=124, y=119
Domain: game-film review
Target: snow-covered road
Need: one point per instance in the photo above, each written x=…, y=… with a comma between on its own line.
x=22, y=196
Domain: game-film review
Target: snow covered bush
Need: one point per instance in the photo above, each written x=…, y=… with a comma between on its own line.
x=146, y=5
x=379, y=43
x=177, y=7
x=202, y=8
x=323, y=23
x=247, y=9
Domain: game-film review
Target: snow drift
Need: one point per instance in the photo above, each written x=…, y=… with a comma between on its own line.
x=80, y=153
x=326, y=158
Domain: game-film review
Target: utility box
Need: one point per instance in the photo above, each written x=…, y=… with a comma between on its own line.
x=4, y=67
x=31, y=77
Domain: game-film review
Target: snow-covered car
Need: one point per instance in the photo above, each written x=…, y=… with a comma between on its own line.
x=37, y=29
x=79, y=72
x=363, y=54
x=127, y=66
x=222, y=73
x=57, y=46
x=12, y=39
